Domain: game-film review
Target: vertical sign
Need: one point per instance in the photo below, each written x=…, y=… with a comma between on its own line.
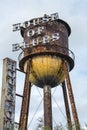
x=8, y=95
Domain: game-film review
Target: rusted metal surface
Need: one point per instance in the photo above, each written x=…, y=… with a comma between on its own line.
x=47, y=29
x=71, y=96
x=19, y=95
x=8, y=95
x=47, y=108
x=47, y=38
x=46, y=50
x=52, y=33
x=67, y=106
x=25, y=102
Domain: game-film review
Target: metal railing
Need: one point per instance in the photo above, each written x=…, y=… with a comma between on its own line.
x=65, y=51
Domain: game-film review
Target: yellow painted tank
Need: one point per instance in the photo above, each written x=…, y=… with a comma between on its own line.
x=46, y=70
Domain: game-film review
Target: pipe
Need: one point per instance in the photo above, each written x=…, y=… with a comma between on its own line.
x=47, y=107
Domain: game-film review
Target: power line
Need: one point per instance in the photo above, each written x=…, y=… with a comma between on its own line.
x=39, y=92
x=59, y=107
x=34, y=114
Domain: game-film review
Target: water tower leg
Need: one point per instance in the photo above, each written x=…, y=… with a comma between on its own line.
x=71, y=96
x=47, y=108
x=67, y=106
x=25, y=102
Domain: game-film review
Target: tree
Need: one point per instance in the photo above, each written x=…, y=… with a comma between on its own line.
x=40, y=126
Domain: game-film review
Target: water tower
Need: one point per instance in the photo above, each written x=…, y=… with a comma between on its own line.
x=46, y=60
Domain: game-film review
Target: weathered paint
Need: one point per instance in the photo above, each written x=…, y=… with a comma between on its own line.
x=8, y=95
x=46, y=69
x=71, y=97
x=25, y=101
x=47, y=108
x=67, y=109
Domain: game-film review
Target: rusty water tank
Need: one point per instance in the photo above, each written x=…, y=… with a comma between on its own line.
x=46, y=44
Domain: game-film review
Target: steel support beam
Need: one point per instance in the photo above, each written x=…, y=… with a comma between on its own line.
x=47, y=108
x=66, y=106
x=19, y=95
x=25, y=102
x=71, y=97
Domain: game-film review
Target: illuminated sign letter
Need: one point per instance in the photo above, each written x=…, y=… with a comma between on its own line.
x=40, y=29
x=54, y=16
x=45, y=39
x=15, y=47
x=55, y=36
x=36, y=21
x=35, y=42
x=45, y=18
x=16, y=27
x=26, y=24
x=30, y=33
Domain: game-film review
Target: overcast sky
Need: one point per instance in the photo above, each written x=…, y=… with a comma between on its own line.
x=75, y=13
